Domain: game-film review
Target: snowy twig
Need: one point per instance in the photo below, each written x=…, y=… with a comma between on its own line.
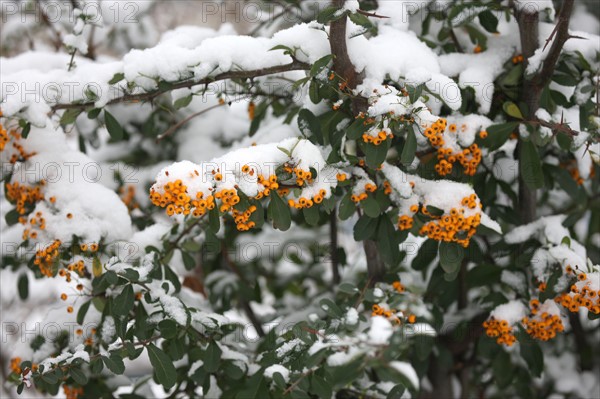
x=293, y=66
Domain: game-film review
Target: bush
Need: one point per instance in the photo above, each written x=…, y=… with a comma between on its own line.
x=357, y=200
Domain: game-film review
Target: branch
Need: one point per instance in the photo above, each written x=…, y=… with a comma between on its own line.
x=176, y=126
x=293, y=66
x=555, y=127
x=561, y=31
x=370, y=14
x=343, y=67
x=333, y=246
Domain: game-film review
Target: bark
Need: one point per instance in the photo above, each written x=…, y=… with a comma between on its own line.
x=343, y=67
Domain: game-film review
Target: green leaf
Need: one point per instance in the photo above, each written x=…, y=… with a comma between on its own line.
x=168, y=328
x=313, y=92
x=530, y=165
x=25, y=129
x=327, y=15
x=348, y=288
x=386, y=241
x=488, y=20
x=347, y=207
x=435, y=211
x=12, y=217
x=123, y=303
x=320, y=387
x=165, y=372
x=502, y=369
x=370, y=206
x=114, y=363
x=188, y=260
x=214, y=221
x=426, y=255
x=356, y=129
x=320, y=64
x=498, y=134
x=410, y=148
x=279, y=212
x=112, y=125
x=360, y=20
x=311, y=215
x=183, y=101
x=69, y=116
x=365, y=228
x=309, y=125
x=82, y=312
x=212, y=357
x=50, y=378
x=117, y=77
x=451, y=256
x=512, y=109
x=23, y=285
x=78, y=375
x=376, y=154
x=532, y=353
x=96, y=267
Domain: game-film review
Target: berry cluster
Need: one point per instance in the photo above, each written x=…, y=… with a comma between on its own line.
x=72, y=392
x=382, y=136
x=302, y=176
x=15, y=365
x=542, y=326
x=517, y=59
x=23, y=195
x=501, y=330
x=369, y=188
x=307, y=202
x=127, y=195
x=405, y=222
x=469, y=158
x=5, y=137
x=268, y=184
x=453, y=227
x=36, y=222
x=398, y=286
x=45, y=258
x=581, y=294
x=242, y=218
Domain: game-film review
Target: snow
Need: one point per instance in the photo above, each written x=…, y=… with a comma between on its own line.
x=341, y=358
x=351, y=317
x=171, y=305
x=277, y=368
x=407, y=370
x=512, y=311
x=381, y=330
x=72, y=178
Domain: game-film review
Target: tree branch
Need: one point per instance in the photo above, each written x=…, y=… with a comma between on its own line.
x=343, y=67
x=333, y=246
x=561, y=31
x=293, y=66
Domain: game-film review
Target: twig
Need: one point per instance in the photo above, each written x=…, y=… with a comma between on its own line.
x=370, y=14
x=562, y=35
x=333, y=246
x=455, y=41
x=176, y=126
x=556, y=127
x=245, y=305
x=173, y=244
x=293, y=66
x=295, y=383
